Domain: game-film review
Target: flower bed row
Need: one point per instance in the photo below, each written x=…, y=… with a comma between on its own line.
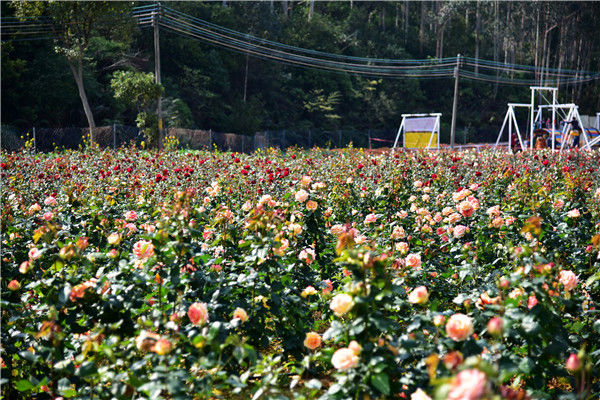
x=135, y=274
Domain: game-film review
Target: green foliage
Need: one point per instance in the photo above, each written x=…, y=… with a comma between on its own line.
x=139, y=90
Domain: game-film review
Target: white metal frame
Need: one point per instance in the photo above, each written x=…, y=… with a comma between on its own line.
x=534, y=117
x=436, y=129
x=511, y=119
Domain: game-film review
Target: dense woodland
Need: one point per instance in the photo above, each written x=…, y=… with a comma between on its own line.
x=210, y=87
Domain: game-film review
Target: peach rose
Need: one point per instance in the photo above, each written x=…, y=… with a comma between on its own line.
x=328, y=286
x=162, y=347
x=459, y=327
x=419, y=295
x=301, y=195
x=398, y=233
x=344, y=359
x=312, y=340
x=198, y=313
x=143, y=249
x=50, y=201
x=369, y=219
x=341, y=304
x=311, y=205
x=240, y=314
x=24, y=267
x=574, y=213
x=308, y=291
x=35, y=208
x=402, y=247
x=146, y=340
x=558, y=204
x=419, y=395
x=413, y=261
x=355, y=347
x=306, y=180
x=568, y=279
x=113, y=239
x=469, y=384
x=465, y=208
x=14, y=285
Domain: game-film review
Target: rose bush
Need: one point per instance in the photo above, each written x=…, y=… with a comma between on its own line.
x=336, y=274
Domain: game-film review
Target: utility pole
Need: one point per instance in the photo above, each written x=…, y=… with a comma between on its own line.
x=155, y=23
x=455, y=103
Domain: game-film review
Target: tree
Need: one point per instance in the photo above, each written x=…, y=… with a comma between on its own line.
x=139, y=90
x=74, y=24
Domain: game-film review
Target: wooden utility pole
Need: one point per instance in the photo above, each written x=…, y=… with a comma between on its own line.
x=155, y=23
x=455, y=103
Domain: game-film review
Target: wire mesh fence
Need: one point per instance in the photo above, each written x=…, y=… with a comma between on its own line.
x=115, y=136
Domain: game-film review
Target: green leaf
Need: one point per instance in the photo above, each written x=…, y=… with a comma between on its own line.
x=24, y=385
x=381, y=382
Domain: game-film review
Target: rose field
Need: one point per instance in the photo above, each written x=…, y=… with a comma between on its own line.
x=332, y=274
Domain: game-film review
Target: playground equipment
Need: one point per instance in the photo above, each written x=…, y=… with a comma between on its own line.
x=558, y=134
x=420, y=131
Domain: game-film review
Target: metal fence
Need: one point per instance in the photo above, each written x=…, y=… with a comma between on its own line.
x=114, y=136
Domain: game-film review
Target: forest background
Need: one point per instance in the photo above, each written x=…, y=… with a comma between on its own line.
x=208, y=87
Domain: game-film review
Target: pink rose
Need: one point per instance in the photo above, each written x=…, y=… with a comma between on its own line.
x=143, y=249
x=14, y=285
x=413, y=261
x=34, y=253
x=558, y=204
x=329, y=286
x=469, y=384
x=35, y=208
x=50, y=201
x=130, y=215
x=341, y=304
x=574, y=213
x=344, y=358
x=494, y=326
x=419, y=295
x=198, y=313
x=573, y=363
x=459, y=327
x=47, y=216
x=568, y=279
x=531, y=302
x=459, y=231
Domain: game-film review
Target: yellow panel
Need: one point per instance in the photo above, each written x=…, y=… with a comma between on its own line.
x=419, y=140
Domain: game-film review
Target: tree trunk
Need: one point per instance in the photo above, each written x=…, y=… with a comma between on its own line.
x=397, y=16
x=496, y=44
x=246, y=77
x=477, y=29
x=422, y=28
x=271, y=7
x=78, y=75
x=405, y=22
x=284, y=6
x=537, y=40
x=311, y=9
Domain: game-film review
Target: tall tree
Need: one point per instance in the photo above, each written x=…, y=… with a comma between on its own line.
x=74, y=24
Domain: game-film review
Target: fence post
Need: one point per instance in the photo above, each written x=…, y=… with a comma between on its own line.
x=114, y=136
x=369, y=139
x=210, y=140
x=34, y=140
x=267, y=139
x=340, y=139
x=283, y=140
x=309, y=139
